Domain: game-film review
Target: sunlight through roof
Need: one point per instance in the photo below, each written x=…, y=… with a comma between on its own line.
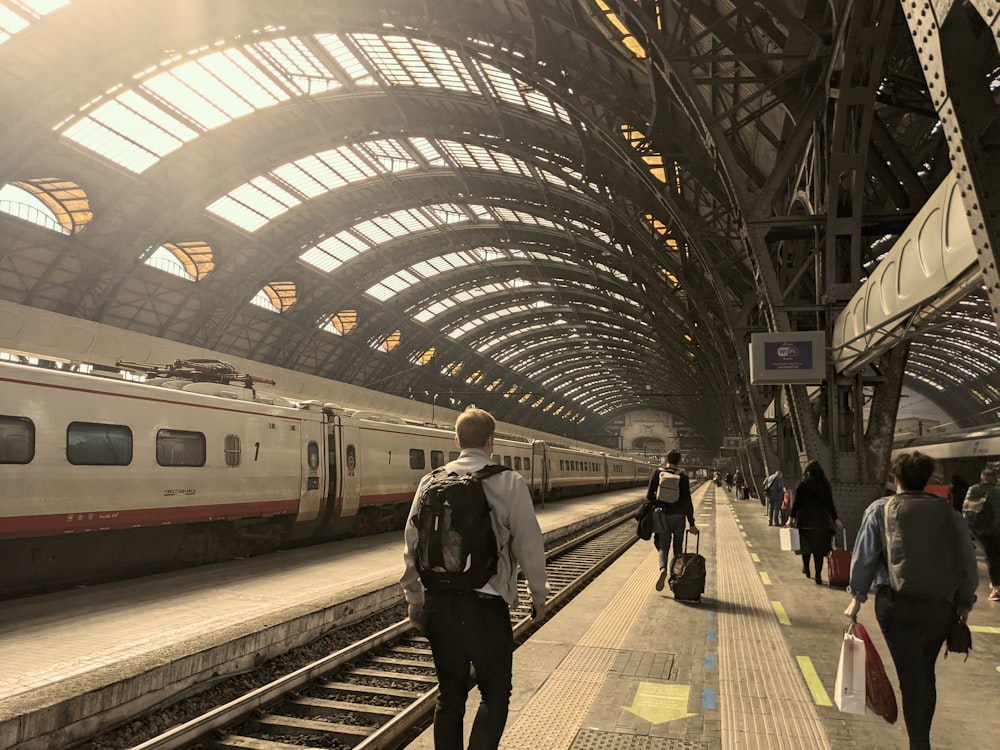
x=146, y=118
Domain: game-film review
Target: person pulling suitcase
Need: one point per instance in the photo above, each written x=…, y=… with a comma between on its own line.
x=669, y=494
x=687, y=572
x=812, y=513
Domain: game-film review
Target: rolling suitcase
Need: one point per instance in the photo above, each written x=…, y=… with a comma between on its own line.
x=687, y=573
x=838, y=564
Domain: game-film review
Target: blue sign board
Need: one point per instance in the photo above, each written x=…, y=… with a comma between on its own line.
x=795, y=357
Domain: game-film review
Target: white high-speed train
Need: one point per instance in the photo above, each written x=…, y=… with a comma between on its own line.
x=962, y=452
x=102, y=477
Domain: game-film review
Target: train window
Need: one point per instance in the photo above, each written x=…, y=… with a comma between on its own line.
x=452, y=455
x=234, y=451
x=495, y=458
x=417, y=459
x=517, y=463
x=527, y=464
x=17, y=440
x=437, y=459
x=506, y=461
x=92, y=444
x=180, y=448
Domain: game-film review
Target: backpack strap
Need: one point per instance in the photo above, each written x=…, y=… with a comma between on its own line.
x=488, y=471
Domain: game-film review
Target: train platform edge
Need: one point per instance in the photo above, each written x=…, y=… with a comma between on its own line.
x=86, y=658
x=752, y=665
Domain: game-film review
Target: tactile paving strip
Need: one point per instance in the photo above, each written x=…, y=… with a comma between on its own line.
x=763, y=699
x=592, y=739
x=553, y=715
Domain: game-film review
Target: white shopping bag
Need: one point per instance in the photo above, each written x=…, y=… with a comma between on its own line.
x=789, y=539
x=850, y=687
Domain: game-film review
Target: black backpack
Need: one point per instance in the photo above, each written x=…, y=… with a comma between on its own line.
x=456, y=547
x=977, y=510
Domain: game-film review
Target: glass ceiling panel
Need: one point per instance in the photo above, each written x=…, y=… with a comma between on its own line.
x=323, y=172
x=17, y=15
x=348, y=244
x=136, y=126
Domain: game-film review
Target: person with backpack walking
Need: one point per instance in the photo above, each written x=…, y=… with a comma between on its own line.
x=739, y=482
x=669, y=492
x=981, y=510
x=774, y=489
x=467, y=620
x=917, y=550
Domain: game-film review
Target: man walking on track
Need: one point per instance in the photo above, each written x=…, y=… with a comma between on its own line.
x=471, y=627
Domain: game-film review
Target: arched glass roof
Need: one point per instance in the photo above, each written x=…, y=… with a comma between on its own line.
x=437, y=195
x=142, y=120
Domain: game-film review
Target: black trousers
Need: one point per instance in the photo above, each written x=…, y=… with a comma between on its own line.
x=914, y=630
x=470, y=630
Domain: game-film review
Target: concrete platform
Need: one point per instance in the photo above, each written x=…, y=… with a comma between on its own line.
x=89, y=656
x=624, y=667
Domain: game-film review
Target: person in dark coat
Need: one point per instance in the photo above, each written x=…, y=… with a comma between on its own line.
x=815, y=516
x=957, y=491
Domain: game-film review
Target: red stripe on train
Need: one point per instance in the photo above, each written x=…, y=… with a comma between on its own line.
x=106, y=520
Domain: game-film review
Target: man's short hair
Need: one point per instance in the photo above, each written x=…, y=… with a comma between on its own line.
x=474, y=428
x=673, y=457
x=913, y=470
x=988, y=475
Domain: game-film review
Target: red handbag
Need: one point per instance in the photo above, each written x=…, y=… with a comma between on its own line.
x=879, y=695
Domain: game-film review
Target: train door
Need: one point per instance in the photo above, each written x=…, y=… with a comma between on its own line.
x=313, y=474
x=606, y=462
x=348, y=437
x=539, y=470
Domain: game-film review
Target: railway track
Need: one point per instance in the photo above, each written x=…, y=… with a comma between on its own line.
x=380, y=692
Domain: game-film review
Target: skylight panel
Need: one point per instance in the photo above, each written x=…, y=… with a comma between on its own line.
x=130, y=131
x=27, y=12
x=301, y=69
x=377, y=50
x=431, y=267
x=455, y=74
x=389, y=154
x=346, y=59
x=334, y=251
x=253, y=204
x=393, y=285
x=211, y=91
x=432, y=310
x=409, y=58
x=303, y=175
x=447, y=214
x=394, y=225
x=429, y=151
x=200, y=94
x=10, y=23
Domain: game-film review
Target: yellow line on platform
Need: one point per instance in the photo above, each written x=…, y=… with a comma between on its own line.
x=780, y=612
x=819, y=694
x=984, y=629
x=755, y=557
x=765, y=578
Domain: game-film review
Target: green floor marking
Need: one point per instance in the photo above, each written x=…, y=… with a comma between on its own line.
x=780, y=612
